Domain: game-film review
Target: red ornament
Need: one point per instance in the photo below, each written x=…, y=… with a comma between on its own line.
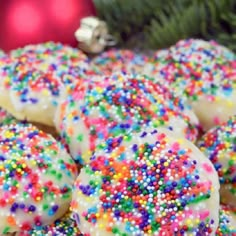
x=25, y=22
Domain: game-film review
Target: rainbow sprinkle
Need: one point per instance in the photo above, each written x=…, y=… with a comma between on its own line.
x=202, y=73
x=35, y=78
x=219, y=145
x=66, y=226
x=94, y=111
x=150, y=184
x=118, y=60
x=227, y=224
x=36, y=178
x=201, y=53
x=55, y=58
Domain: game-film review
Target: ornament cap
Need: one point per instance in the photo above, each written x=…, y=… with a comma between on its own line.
x=93, y=36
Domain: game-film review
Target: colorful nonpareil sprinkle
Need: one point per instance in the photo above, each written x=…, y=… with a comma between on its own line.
x=150, y=184
x=118, y=60
x=33, y=79
x=36, y=178
x=202, y=72
x=28, y=93
x=66, y=226
x=219, y=145
x=56, y=58
x=200, y=52
x=206, y=66
x=227, y=223
x=94, y=111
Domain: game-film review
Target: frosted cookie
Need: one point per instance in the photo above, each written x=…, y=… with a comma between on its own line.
x=219, y=145
x=36, y=178
x=203, y=73
x=118, y=60
x=28, y=93
x=94, y=111
x=227, y=223
x=53, y=57
x=202, y=53
x=65, y=226
x=210, y=71
x=33, y=79
x=150, y=184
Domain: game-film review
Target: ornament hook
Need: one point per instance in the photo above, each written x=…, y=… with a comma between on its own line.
x=93, y=36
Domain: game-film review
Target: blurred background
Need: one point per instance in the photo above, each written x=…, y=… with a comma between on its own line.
x=135, y=23
x=34, y=21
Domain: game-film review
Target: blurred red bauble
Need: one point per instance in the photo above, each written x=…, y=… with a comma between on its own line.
x=25, y=22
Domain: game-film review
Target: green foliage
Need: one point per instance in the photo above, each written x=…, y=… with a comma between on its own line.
x=158, y=23
x=224, y=28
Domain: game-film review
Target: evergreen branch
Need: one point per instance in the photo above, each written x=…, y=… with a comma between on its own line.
x=157, y=24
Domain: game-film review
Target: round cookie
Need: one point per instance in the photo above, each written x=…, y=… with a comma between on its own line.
x=212, y=71
x=57, y=58
x=36, y=178
x=202, y=53
x=118, y=60
x=94, y=111
x=65, y=226
x=227, y=223
x=33, y=79
x=219, y=145
x=204, y=74
x=28, y=93
x=151, y=184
